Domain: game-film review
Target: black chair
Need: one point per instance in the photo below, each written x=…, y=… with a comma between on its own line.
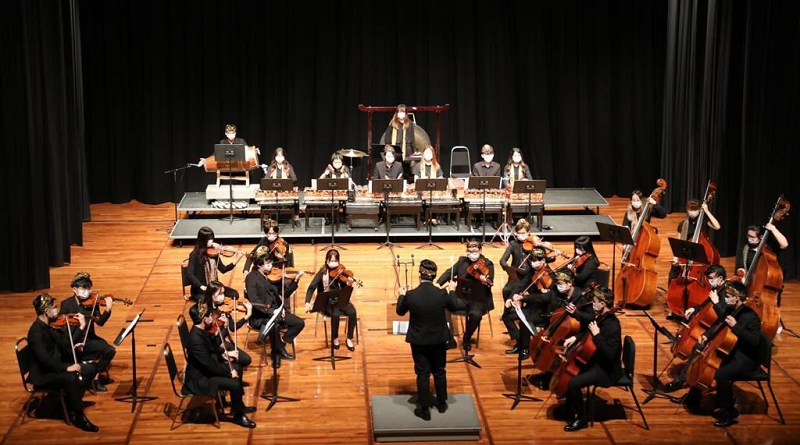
x=183, y=333
x=185, y=281
x=460, y=166
x=625, y=382
x=462, y=317
x=173, y=375
x=603, y=275
x=764, y=374
x=24, y=357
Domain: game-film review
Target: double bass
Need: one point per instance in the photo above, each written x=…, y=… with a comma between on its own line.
x=636, y=283
x=764, y=277
x=691, y=287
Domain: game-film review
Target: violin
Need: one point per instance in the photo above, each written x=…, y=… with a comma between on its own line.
x=344, y=275
x=277, y=274
x=101, y=300
x=279, y=248
x=226, y=251
x=479, y=269
x=215, y=326
x=542, y=279
x=532, y=242
x=62, y=320
x=229, y=305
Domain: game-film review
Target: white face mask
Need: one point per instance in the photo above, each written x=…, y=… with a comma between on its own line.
x=517, y=159
x=537, y=264
x=579, y=252
x=562, y=288
x=51, y=312
x=694, y=214
x=488, y=158
x=337, y=164
x=522, y=236
x=333, y=264
x=279, y=159
x=209, y=243
x=597, y=306
x=231, y=136
x=219, y=298
x=389, y=158
x=752, y=241
x=731, y=301
x=636, y=204
x=272, y=237
x=716, y=282
x=401, y=115
x=83, y=293
x=266, y=267
x=473, y=256
x=428, y=156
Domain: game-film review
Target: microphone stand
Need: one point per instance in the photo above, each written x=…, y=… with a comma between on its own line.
x=175, y=199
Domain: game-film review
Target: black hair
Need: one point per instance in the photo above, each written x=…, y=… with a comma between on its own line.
x=427, y=270
x=585, y=243
x=715, y=269
x=203, y=235
x=82, y=282
x=261, y=260
x=196, y=315
x=739, y=287
x=211, y=289
x=754, y=228
x=638, y=193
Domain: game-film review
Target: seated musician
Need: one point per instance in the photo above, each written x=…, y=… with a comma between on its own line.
x=95, y=348
x=50, y=367
x=206, y=374
x=475, y=311
x=388, y=168
x=336, y=169
x=214, y=299
x=586, y=263
x=535, y=262
x=429, y=166
x=279, y=167
x=687, y=227
x=274, y=243
x=635, y=207
x=605, y=366
x=776, y=243
x=516, y=169
x=716, y=297
x=203, y=268
x=518, y=255
x=268, y=296
x=486, y=167
x=401, y=131
x=323, y=282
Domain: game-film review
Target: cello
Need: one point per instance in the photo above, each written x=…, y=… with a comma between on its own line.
x=576, y=357
x=636, y=283
x=764, y=277
x=691, y=287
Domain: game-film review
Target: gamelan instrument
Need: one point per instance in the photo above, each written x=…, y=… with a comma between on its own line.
x=636, y=282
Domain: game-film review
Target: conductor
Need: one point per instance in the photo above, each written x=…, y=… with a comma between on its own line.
x=429, y=335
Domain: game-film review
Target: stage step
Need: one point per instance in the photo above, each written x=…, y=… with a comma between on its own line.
x=393, y=420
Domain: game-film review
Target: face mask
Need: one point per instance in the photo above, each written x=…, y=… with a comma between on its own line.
x=716, y=282
x=579, y=252
x=597, y=306
x=401, y=115
x=51, y=312
x=219, y=298
x=389, y=158
x=752, y=241
x=517, y=159
x=279, y=159
x=231, y=136
x=730, y=301
x=694, y=214
x=266, y=267
x=473, y=256
x=536, y=264
x=522, y=236
x=272, y=237
x=333, y=264
x=562, y=288
x=210, y=243
x=428, y=156
x=337, y=165
x=488, y=158
x=636, y=204
x=83, y=293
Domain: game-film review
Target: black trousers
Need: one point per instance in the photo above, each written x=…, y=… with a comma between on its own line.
x=430, y=359
x=352, y=319
x=475, y=314
x=231, y=385
x=737, y=367
x=293, y=324
x=73, y=387
x=534, y=316
x=593, y=375
x=98, y=349
x=244, y=359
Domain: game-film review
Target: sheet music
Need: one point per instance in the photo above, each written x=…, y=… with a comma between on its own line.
x=524, y=321
x=271, y=322
x=130, y=327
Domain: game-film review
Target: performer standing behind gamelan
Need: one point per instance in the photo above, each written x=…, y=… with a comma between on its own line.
x=400, y=132
x=487, y=166
x=333, y=275
x=635, y=209
x=336, y=169
x=268, y=296
x=94, y=347
x=279, y=167
x=53, y=363
x=428, y=335
x=214, y=299
x=202, y=268
x=473, y=260
x=388, y=168
x=605, y=366
x=205, y=374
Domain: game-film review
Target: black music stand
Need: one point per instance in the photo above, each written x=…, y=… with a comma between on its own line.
x=326, y=302
x=430, y=185
x=387, y=186
x=484, y=183
x=530, y=187
x=615, y=234
x=134, y=397
x=692, y=253
x=277, y=185
x=473, y=292
x=231, y=153
x=270, y=328
x=656, y=382
x=333, y=184
x=517, y=395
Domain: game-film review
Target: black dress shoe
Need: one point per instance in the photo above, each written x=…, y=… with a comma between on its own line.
x=336, y=346
x=242, y=420
x=526, y=353
x=249, y=409
x=442, y=407
x=350, y=348
x=285, y=355
x=577, y=424
x=514, y=350
x=673, y=386
x=81, y=422
x=721, y=414
x=423, y=413
x=726, y=420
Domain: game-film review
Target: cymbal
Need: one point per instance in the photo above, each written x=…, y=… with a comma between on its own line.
x=350, y=153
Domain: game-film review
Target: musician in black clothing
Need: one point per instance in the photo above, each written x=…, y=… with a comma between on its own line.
x=516, y=169
x=401, y=131
x=487, y=167
x=52, y=364
x=605, y=366
x=388, y=168
x=215, y=297
x=635, y=209
x=776, y=243
x=202, y=268
x=268, y=296
x=336, y=169
x=687, y=227
x=230, y=136
x=206, y=374
x=323, y=282
x=518, y=255
x=428, y=335
x=94, y=346
x=585, y=268
x=280, y=168
x=475, y=311
x=534, y=264
x=273, y=233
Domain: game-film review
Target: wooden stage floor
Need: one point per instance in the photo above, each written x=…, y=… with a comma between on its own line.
x=129, y=258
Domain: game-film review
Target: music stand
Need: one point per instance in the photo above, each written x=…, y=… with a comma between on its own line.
x=277, y=185
x=134, y=397
x=270, y=329
x=615, y=234
x=474, y=292
x=656, y=382
x=231, y=153
x=333, y=184
x=326, y=302
x=484, y=183
x=430, y=185
x=692, y=253
x=530, y=187
x=387, y=186
x=517, y=395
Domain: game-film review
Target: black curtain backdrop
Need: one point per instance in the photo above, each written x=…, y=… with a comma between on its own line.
x=45, y=194
x=731, y=112
x=577, y=85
